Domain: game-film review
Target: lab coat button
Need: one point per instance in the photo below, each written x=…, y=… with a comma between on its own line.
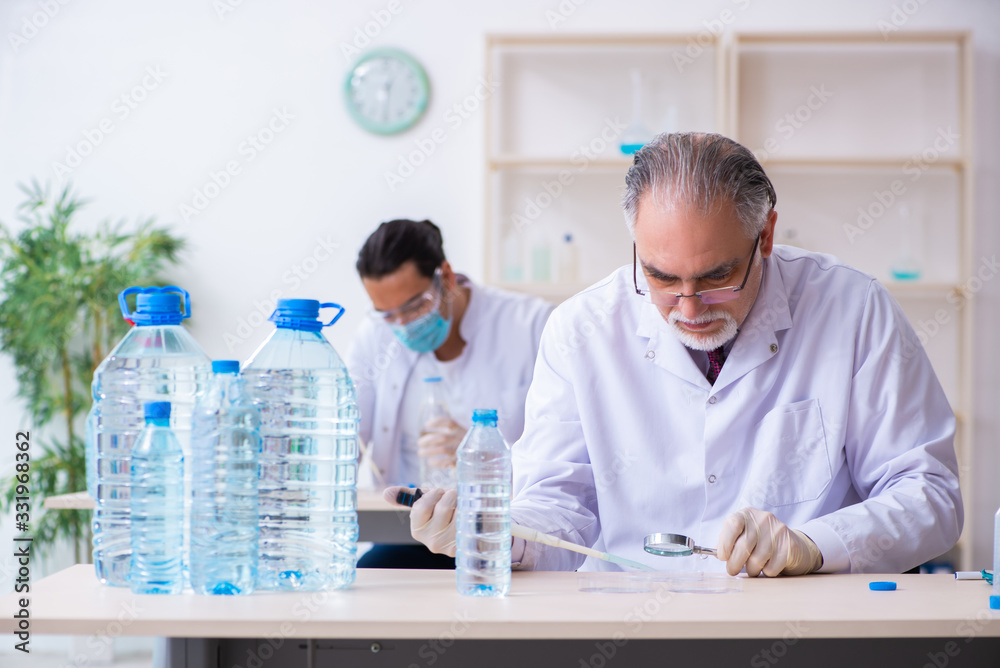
x=711, y=479
x=712, y=400
x=650, y=354
x=774, y=347
x=385, y=429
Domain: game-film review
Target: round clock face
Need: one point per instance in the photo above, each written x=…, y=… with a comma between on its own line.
x=386, y=91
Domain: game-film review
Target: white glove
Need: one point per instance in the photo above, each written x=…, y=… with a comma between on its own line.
x=440, y=439
x=432, y=518
x=761, y=542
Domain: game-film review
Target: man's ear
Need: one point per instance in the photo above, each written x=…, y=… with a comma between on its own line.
x=767, y=234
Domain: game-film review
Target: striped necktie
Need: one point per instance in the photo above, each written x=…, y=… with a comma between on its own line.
x=716, y=358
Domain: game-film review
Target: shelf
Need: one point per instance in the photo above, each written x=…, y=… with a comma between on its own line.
x=866, y=38
x=604, y=163
x=920, y=289
x=820, y=162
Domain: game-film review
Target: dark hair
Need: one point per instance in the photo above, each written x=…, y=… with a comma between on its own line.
x=397, y=242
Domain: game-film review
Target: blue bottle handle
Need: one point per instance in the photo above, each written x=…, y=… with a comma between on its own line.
x=340, y=312
x=152, y=291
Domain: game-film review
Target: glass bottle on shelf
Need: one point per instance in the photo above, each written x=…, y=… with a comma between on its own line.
x=906, y=266
x=635, y=134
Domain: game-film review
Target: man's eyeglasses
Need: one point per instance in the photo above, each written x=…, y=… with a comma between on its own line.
x=414, y=308
x=713, y=296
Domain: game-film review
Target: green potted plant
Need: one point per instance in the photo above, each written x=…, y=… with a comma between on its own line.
x=59, y=318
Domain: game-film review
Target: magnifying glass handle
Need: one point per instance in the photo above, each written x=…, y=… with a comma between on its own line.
x=704, y=550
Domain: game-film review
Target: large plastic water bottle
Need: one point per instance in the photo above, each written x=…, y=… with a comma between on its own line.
x=482, y=540
x=225, y=440
x=309, y=451
x=90, y=450
x=158, y=360
x=157, y=527
x=434, y=471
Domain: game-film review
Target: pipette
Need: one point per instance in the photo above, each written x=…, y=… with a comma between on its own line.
x=409, y=498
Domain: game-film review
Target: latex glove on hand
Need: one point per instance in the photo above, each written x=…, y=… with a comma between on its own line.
x=439, y=441
x=432, y=518
x=762, y=543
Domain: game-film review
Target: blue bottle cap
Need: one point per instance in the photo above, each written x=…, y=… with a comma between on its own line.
x=157, y=410
x=994, y=602
x=487, y=416
x=156, y=306
x=882, y=586
x=225, y=366
x=303, y=314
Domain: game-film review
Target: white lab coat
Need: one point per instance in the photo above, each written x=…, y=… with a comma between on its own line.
x=826, y=413
x=502, y=331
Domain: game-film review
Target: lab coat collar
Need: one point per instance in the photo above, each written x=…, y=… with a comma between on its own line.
x=756, y=342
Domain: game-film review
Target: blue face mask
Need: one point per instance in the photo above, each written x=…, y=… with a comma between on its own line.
x=424, y=334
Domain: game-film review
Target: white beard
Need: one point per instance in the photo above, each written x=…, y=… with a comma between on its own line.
x=706, y=342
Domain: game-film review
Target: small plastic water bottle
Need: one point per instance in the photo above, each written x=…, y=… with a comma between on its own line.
x=434, y=473
x=225, y=440
x=995, y=596
x=158, y=360
x=157, y=527
x=309, y=453
x=482, y=541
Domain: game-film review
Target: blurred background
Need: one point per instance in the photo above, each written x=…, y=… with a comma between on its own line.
x=227, y=122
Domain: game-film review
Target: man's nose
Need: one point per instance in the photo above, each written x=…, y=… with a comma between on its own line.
x=691, y=307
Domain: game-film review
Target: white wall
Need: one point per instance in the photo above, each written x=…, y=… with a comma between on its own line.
x=322, y=177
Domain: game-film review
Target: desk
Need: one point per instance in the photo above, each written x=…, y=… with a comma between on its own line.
x=405, y=618
x=378, y=520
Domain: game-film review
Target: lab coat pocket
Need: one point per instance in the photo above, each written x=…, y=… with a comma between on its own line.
x=790, y=460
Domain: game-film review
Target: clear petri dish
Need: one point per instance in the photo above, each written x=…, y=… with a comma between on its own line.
x=703, y=583
x=614, y=583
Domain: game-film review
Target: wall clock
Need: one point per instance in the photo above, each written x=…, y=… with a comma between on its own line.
x=386, y=91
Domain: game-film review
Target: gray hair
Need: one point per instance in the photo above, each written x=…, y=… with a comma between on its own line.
x=702, y=170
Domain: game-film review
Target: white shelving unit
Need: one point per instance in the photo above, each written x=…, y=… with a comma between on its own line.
x=553, y=133
x=868, y=142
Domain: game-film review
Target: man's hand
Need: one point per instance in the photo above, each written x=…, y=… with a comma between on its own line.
x=761, y=542
x=440, y=441
x=432, y=518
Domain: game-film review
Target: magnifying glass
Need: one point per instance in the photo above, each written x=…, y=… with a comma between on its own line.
x=673, y=545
